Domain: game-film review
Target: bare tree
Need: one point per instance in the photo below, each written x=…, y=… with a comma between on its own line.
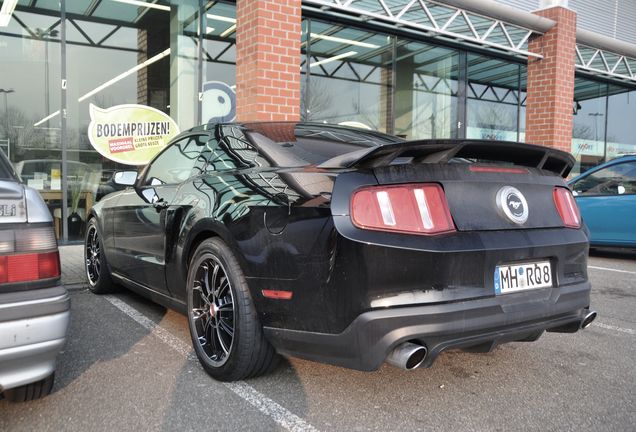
x=320, y=100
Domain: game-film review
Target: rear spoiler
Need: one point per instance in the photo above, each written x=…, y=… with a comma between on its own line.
x=442, y=151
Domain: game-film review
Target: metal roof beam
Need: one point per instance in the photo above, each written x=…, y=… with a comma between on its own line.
x=443, y=25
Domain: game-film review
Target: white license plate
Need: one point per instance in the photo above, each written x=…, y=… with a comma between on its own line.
x=520, y=277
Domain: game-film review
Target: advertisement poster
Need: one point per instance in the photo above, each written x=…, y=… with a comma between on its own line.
x=130, y=134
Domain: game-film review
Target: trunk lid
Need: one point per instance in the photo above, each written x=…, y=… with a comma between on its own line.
x=519, y=176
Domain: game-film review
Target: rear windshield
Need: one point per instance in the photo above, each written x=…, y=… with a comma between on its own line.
x=311, y=144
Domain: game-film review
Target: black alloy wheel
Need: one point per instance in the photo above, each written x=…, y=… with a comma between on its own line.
x=226, y=334
x=97, y=272
x=213, y=310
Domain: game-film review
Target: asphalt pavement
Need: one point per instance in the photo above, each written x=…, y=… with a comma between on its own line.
x=128, y=365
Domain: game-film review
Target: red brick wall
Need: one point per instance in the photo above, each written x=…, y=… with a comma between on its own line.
x=268, y=60
x=551, y=82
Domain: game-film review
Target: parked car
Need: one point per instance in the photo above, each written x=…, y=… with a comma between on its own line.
x=606, y=196
x=345, y=246
x=34, y=307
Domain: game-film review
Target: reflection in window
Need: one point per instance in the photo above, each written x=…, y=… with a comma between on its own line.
x=177, y=162
x=621, y=114
x=218, y=104
x=426, y=91
x=588, y=124
x=493, y=103
x=615, y=180
x=350, y=76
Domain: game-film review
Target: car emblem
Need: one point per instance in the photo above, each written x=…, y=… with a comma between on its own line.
x=512, y=204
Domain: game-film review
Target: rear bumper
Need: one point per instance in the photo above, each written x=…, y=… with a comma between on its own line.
x=33, y=326
x=485, y=322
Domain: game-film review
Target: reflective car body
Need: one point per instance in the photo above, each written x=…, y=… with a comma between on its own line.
x=606, y=195
x=34, y=307
x=328, y=289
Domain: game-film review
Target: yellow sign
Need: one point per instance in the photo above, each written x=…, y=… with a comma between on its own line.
x=130, y=134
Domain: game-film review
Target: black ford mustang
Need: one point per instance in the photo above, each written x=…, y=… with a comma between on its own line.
x=345, y=246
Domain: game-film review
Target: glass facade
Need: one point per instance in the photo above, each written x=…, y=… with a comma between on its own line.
x=426, y=91
x=496, y=99
x=176, y=58
x=602, y=122
x=410, y=88
x=350, y=76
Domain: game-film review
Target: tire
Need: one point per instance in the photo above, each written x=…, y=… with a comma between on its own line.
x=31, y=391
x=95, y=265
x=226, y=334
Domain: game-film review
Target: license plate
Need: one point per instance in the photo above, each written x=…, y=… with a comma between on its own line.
x=520, y=277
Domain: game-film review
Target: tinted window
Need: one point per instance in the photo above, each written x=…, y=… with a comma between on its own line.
x=614, y=180
x=177, y=163
x=290, y=144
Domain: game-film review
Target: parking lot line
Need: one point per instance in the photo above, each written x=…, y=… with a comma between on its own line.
x=611, y=269
x=615, y=328
x=267, y=406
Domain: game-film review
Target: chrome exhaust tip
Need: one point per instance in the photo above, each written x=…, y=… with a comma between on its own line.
x=407, y=356
x=589, y=318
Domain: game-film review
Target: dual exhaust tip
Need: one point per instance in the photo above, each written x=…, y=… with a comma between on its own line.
x=589, y=317
x=409, y=355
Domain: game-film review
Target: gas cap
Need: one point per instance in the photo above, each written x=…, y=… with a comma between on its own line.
x=277, y=214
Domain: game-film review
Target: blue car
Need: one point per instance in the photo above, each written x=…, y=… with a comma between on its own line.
x=606, y=195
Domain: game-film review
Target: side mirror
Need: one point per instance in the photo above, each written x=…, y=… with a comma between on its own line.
x=125, y=178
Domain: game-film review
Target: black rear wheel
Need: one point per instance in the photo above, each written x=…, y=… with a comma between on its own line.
x=97, y=273
x=225, y=330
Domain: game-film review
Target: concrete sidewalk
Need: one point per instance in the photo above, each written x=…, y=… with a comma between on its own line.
x=71, y=259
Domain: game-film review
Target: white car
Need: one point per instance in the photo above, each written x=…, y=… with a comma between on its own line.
x=34, y=306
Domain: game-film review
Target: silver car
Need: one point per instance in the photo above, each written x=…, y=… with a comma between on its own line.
x=34, y=306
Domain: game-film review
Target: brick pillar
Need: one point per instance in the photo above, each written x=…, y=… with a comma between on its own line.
x=268, y=60
x=551, y=82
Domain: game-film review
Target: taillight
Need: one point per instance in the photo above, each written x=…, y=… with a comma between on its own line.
x=28, y=255
x=567, y=208
x=411, y=208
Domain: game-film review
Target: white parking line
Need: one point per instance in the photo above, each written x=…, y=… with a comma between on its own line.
x=615, y=328
x=170, y=340
x=267, y=406
x=611, y=269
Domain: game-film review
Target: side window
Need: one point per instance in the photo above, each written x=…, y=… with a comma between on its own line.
x=178, y=162
x=615, y=180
